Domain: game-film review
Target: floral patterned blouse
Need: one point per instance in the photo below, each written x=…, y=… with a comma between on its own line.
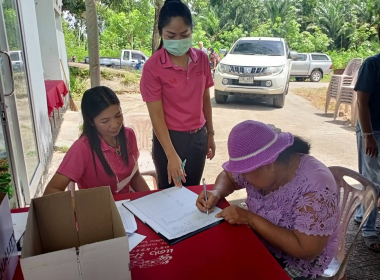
x=308, y=203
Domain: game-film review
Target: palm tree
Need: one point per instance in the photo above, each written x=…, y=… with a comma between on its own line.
x=278, y=9
x=367, y=12
x=332, y=17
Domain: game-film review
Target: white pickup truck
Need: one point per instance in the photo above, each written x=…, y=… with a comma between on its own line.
x=311, y=66
x=255, y=67
x=128, y=59
x=17, y=61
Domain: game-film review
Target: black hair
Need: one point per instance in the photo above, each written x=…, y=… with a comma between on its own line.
x=300, y=146
x=94, y=101
x=211, y=50
x=172, y=9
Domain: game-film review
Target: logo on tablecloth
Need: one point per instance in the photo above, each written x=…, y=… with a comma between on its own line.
x=151, y=253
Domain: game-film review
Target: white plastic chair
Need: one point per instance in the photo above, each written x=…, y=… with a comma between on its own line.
x=350, y=199
x=337, y=81
x=347, y=95
x=142, y=126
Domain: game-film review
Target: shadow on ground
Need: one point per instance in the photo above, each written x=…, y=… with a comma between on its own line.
x=327, y=116
x=342, y=123
x=241, y=104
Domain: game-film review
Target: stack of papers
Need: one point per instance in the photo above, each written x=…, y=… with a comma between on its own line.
x=130, y=225
x=172, y=212
x=128, y=220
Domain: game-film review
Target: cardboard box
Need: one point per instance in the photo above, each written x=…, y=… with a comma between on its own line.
x=8, y=248
x=57, y=247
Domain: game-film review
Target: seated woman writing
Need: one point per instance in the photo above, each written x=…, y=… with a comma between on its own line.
x=292, y=197
x=106, y=154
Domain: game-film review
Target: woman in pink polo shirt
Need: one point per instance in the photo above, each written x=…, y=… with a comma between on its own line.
x=175, y=85
x=106, y=154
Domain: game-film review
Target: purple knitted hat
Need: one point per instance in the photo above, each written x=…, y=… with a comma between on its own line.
x=254, y=144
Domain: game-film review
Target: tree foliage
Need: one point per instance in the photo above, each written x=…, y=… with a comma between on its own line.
x=337, y=27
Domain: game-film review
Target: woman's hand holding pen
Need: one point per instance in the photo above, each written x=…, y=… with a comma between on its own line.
x=175, y=171
x=213, y=198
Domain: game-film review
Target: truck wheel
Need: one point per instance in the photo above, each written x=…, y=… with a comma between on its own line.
x=300, y=79
x=220, y=98
x=316, y=76
x=287, y=88
x=279, y=101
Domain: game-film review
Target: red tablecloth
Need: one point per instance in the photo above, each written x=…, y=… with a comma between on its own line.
x=222, y=252
x=54, y=91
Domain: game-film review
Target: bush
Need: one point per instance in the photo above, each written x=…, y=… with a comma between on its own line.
x=131, y=78
x=105, y=74
x=78, y=79
x=341, y=58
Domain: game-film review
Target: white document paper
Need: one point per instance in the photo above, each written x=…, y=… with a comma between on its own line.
x=134, y=240
x=172, y=212
x=19, y=224
x=120, y=202
x=128, y=219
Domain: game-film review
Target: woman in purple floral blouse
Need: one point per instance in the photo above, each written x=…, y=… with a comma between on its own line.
x=292, y=198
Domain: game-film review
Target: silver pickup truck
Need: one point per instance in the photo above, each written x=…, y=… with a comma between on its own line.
x=311, y=66
x=128, y=59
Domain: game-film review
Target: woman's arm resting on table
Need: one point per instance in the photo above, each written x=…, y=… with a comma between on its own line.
x=138, y=183
x=224, y=186
x=207, y=111
x=57, y=184
x=294, y=243
x=156, y=112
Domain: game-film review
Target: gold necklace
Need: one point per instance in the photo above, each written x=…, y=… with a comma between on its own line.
x=117, y=150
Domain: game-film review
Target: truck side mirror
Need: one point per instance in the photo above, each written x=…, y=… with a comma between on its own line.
x=293, y=55
x=223, y=52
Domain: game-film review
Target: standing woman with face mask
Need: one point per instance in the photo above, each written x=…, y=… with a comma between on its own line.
x=175, y=85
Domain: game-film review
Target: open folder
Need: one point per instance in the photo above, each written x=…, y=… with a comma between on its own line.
x=172, y=214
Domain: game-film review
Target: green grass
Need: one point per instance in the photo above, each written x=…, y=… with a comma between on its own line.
x=31, y=153
x=131, y=78
x=62, y=149
x=107, y=75
x=326, y=78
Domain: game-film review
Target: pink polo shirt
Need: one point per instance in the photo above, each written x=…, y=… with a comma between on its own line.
x=181, y=91
x=78, y=164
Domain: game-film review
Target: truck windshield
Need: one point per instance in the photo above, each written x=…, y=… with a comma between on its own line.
x=14, y=56
x=259, y=47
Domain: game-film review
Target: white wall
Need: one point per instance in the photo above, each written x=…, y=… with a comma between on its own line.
x=37, y=86
x=63, y=56
x=48, y=39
